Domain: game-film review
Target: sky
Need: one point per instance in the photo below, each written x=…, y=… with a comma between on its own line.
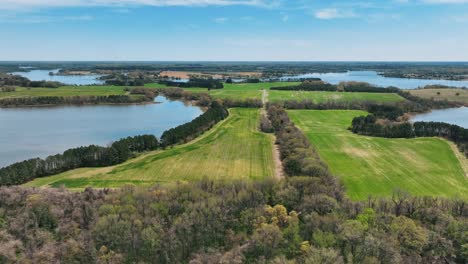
x=234, y=30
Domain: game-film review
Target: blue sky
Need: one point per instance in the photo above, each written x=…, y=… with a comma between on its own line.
x=234, y=30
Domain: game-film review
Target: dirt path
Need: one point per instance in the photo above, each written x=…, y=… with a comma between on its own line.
x=279, y=172
x=461, y=157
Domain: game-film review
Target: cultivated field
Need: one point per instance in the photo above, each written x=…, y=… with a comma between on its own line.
x=321, y=96
x=454, y=95
x=65, y=91
x=378, y=166
x=233, y=150
x=237, y=91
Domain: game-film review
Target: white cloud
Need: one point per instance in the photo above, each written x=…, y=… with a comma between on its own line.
x=333, y=13
x=15, y=4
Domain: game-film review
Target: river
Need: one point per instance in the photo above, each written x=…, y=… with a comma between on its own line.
x=457, y=116
x=42, y=131
x=373, y=77
x=43, y=75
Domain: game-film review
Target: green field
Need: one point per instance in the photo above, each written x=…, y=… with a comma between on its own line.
x=320, y=96
x=65, y=91
x=233, y=150
x=239, y=91
x=378, y=166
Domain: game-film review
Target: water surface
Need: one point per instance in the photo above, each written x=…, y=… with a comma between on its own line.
x=43, y=75
x=457, y=116
x=373, y=77
x=41, y=131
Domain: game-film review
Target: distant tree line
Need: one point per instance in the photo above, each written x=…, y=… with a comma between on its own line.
x=120, y=79
x=200, y=99
x=90, y=156
x=72, y=100
x=246, y=103
x=298, y=156
x=308, y=86
x=148, y=92
x=209, y=83
x=8, y=89
x=196, y=127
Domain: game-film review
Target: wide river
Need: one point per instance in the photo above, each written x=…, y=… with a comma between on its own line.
x=41, y=131
x=373, y=77
x=43, y=75
x=457, y=116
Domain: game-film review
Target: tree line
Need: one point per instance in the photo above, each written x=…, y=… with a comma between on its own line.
x=90, y=156
x=208, y=83
x=308, y=86
x=196, y=127
x=246, y=103
x=371, y=126
x=298, y=156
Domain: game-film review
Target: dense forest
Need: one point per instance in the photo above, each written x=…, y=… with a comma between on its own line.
x=298, y=221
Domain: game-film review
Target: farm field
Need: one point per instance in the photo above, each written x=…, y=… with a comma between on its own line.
x=322, y=96
x=240, y=91
x=443, y=94
x=232, y=150
x=378, y=166
x=65, y=91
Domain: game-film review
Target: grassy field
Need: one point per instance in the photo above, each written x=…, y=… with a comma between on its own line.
x=320, y=96
x=378, y=166
x=65, y=91
x=239, y=91
x=443, y=94
x=233, y=150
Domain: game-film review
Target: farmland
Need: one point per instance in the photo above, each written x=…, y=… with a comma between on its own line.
x=320, y=96
x=65, y=91
x=449, y=94
x=239, y=91
x=233, y=150
x=378, y=166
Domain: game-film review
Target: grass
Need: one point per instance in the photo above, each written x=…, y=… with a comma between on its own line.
x=232, y=150
x=378, y=166
x=239, y=91
x=65, y=91
x=319, y=97
x=443, y=94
